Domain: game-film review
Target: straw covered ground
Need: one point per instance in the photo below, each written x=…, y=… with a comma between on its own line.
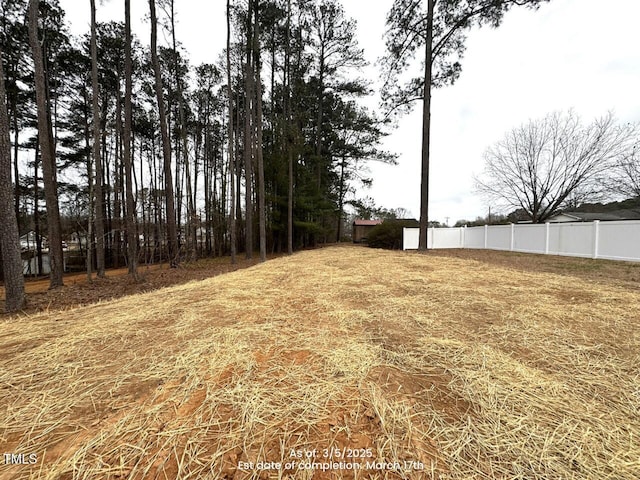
x=343, y=362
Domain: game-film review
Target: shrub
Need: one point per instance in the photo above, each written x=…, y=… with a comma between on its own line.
x=388, y=234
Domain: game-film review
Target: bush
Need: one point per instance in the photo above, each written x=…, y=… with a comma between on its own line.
x=388, y=234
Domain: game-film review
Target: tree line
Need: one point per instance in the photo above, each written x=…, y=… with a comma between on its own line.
x=144, y=157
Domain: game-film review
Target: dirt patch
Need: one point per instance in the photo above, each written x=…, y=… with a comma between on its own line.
x=418, y=388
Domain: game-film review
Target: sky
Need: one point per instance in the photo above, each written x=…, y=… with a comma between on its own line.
x=569, y=54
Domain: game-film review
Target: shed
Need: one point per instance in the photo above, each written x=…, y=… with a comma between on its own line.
x=28, y=241
x=361, y=229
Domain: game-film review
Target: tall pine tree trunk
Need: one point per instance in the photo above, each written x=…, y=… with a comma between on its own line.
x=232, y=213
x=172, y=240
x=426, y=131
x=130, y=210
x=289, y=132
x=238, y=162
x=16, y=170
x=248, y=140
x=36, y=210
x=87, y=142
x=99, y=199
x=191, y=213
x=341, y=195
x=56, y=259
x=9, y=236
x=116, y=230
x=259, y=154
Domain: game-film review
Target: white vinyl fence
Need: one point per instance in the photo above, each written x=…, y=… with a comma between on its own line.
x=610, y=240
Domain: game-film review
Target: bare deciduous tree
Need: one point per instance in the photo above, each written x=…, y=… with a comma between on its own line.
x=542, y=165
x=625, y=177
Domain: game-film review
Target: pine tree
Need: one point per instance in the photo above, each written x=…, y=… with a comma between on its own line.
x=45, y=135
x=440, y=30
x=97, y=160
x=130, y=218
x=172, y=234
x=9, y=237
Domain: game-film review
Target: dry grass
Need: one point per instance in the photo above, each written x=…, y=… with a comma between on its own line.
x=472, y=369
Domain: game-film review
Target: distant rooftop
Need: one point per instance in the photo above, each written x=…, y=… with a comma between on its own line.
x=359, y=222
x=604, y=216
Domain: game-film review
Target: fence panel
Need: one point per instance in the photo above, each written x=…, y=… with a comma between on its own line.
x=474, y=237
x=499, y=237
x=529, y=238
x=446, y=237
x=619, y=240
x=410, y=237
x=572, y=239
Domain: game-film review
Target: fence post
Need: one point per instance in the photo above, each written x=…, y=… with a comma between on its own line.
x=433, y=237
x=462, y=235
x=513, y=228
x=596, y=237
x=547, y=226
x=486, y=235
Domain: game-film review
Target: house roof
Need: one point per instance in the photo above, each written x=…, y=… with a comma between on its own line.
x=360, y=222
x=604, y=216
x=31, y=234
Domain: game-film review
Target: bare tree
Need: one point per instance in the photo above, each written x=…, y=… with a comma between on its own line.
x=45, y=136
x=9, y=236
x=542, y=165
x=625, y=176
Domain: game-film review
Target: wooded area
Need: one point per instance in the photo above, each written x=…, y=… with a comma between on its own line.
x=134, y=155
